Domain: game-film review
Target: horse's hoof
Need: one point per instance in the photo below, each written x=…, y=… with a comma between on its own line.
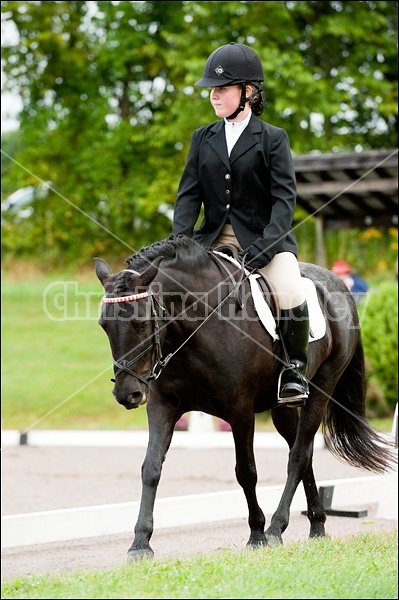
x=137, y=555
x=256, y=541
x=274, y=541
x=317, y=531
x=253, y=547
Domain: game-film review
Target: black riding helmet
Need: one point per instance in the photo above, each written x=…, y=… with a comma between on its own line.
x=233, y=64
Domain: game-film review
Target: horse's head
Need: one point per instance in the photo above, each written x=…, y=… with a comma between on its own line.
x=129, y=318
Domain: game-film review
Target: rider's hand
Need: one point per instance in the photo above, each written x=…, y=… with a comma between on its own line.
x=253, y=259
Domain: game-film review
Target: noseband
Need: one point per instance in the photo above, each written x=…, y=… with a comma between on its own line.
x=159, y=363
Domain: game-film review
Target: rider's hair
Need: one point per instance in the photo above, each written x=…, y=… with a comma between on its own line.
x=256, y=103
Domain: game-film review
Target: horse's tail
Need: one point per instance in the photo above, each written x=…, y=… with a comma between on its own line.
x=347, y=435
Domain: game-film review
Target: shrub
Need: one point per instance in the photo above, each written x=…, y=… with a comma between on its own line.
x=379, y=325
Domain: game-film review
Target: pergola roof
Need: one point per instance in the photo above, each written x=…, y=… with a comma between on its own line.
x=350, y=189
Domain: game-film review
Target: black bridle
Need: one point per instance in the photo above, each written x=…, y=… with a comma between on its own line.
x=159, y=363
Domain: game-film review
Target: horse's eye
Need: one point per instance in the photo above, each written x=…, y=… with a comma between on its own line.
x=140, y=326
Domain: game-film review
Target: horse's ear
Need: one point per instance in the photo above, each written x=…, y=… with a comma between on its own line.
x=103, y=270
x=148, y=275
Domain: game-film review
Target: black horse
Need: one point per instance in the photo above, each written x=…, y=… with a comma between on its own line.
x=185, y=336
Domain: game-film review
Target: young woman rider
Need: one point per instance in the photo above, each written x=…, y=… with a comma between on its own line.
x=240, y=170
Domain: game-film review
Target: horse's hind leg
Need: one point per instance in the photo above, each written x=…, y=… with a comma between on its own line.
x=243, y=433
x=286, y=422
x=316, y=512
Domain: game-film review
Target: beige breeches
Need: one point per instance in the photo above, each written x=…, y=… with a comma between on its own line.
x=282, y=271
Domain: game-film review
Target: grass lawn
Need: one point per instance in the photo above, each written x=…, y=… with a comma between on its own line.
x=364, y=566
x=56, y=359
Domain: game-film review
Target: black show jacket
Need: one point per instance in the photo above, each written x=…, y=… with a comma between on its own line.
x=255, y=188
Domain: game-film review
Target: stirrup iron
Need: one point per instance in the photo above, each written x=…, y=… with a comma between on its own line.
x=298, y=399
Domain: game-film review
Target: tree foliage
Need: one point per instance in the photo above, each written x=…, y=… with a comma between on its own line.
x=109, y=103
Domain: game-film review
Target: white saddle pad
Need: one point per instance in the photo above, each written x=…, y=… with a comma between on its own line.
x=317, y=322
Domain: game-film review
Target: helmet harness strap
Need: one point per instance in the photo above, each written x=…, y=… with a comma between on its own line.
x=243, y=101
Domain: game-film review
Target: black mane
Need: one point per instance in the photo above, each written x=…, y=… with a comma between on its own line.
x=176, y=249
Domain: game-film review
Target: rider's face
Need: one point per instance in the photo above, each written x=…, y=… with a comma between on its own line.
x=225, y=99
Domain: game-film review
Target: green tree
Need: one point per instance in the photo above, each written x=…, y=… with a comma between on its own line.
x=109, y=104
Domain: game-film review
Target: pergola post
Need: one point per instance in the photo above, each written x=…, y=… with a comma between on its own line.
x=320, y=247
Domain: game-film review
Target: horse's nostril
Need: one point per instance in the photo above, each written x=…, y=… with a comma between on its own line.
x=136, y=397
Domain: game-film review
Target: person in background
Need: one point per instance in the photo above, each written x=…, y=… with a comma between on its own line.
x=355, y=284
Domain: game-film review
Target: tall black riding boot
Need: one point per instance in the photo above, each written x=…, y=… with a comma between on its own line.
x=293, y=388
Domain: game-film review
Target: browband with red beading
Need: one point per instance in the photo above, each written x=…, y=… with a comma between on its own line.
x=125, y=298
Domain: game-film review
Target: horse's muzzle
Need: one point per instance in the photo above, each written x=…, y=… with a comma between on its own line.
x=130, y=400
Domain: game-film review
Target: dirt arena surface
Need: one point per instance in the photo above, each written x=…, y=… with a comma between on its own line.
x=43, y=478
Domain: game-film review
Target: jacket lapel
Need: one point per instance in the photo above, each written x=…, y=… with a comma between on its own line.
x=247, y=139
x=218, y=142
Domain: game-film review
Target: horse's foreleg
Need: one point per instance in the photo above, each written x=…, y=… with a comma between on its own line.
x=247, y=477
x=161, y=421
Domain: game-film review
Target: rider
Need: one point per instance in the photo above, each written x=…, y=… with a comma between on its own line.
x=240, y=169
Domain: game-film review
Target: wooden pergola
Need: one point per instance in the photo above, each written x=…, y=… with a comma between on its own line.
x=348, y=190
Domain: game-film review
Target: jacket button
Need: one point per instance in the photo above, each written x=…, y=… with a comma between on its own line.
x=227, y=176
x=227, y=206
x=227, y=192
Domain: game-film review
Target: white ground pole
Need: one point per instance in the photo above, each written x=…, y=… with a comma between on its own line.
x=111, y=519
x=200, y=422
x=197, y=437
